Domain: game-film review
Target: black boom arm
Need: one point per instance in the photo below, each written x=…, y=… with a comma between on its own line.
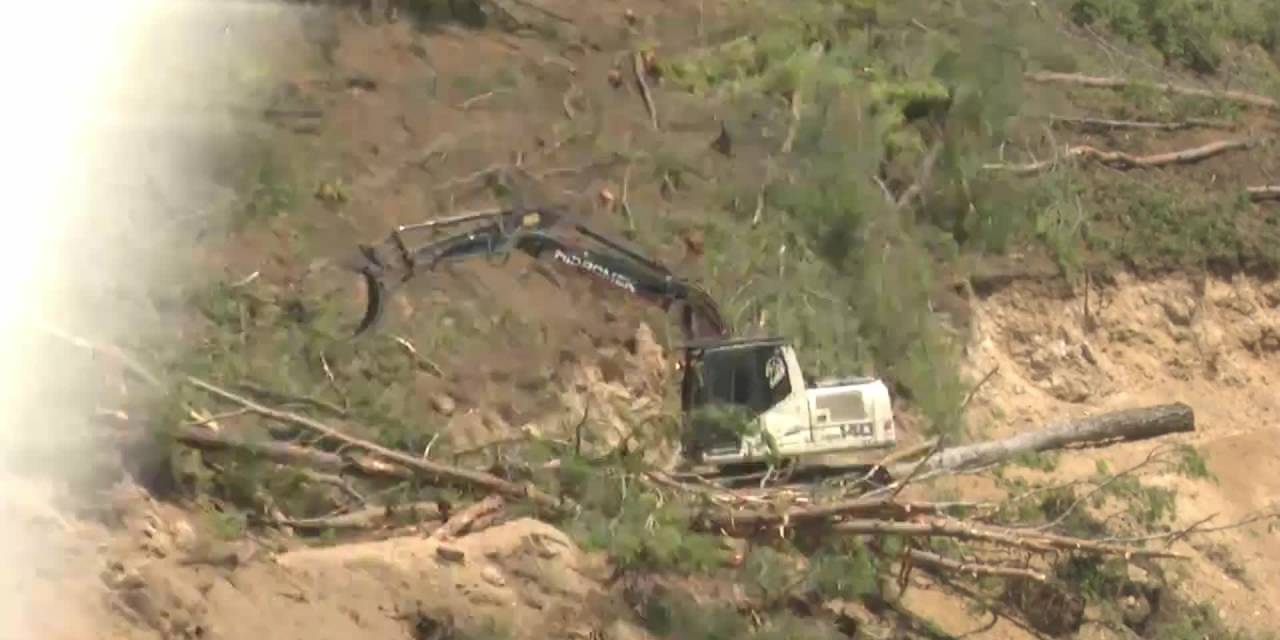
x=536, y=233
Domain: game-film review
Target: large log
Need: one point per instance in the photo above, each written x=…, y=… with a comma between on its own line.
x=1117, y=426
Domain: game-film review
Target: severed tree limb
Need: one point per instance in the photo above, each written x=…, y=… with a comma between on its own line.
x=1125, y=425
x=460, y=521
x=370, y=518
x=1264, y=193
x=434, y=471
x=1105, y=124
x=931, y=560
x=1122, y=160
x=1099, y=82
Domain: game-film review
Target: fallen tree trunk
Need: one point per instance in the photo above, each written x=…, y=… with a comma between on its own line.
x=1125, y=425
x=1098, y=82
x=1122, y=160
x=1262, y=194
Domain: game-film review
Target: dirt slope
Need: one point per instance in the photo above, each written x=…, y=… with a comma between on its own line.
x=139, y=569
x=1208, y=342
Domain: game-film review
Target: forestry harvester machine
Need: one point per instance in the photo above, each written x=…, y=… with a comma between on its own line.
x=785, y=415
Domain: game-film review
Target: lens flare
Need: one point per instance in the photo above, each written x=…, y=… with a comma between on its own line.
x=110, y=112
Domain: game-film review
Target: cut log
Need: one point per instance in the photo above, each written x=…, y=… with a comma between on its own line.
x=1100, y=430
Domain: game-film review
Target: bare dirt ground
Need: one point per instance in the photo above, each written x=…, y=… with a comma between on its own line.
x=1208, y=342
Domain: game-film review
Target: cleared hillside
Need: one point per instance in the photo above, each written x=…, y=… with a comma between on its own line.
x=1013, y=212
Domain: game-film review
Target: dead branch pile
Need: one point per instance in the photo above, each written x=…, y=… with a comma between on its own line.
x=713, y=508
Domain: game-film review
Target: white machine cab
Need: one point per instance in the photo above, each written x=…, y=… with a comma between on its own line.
x=762, y=382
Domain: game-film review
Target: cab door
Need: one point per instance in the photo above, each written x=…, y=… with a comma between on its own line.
x=787, y=418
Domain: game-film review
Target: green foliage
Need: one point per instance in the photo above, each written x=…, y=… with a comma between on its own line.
x=637, y=528
x=1155, y=228
x=225, y=525
x=677, y=617
x=1192, y=464
x=681, y=617
x=1186, y=32
x=848, y=576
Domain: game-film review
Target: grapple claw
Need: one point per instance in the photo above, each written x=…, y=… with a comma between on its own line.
x=372, y=272
x=375, y=299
